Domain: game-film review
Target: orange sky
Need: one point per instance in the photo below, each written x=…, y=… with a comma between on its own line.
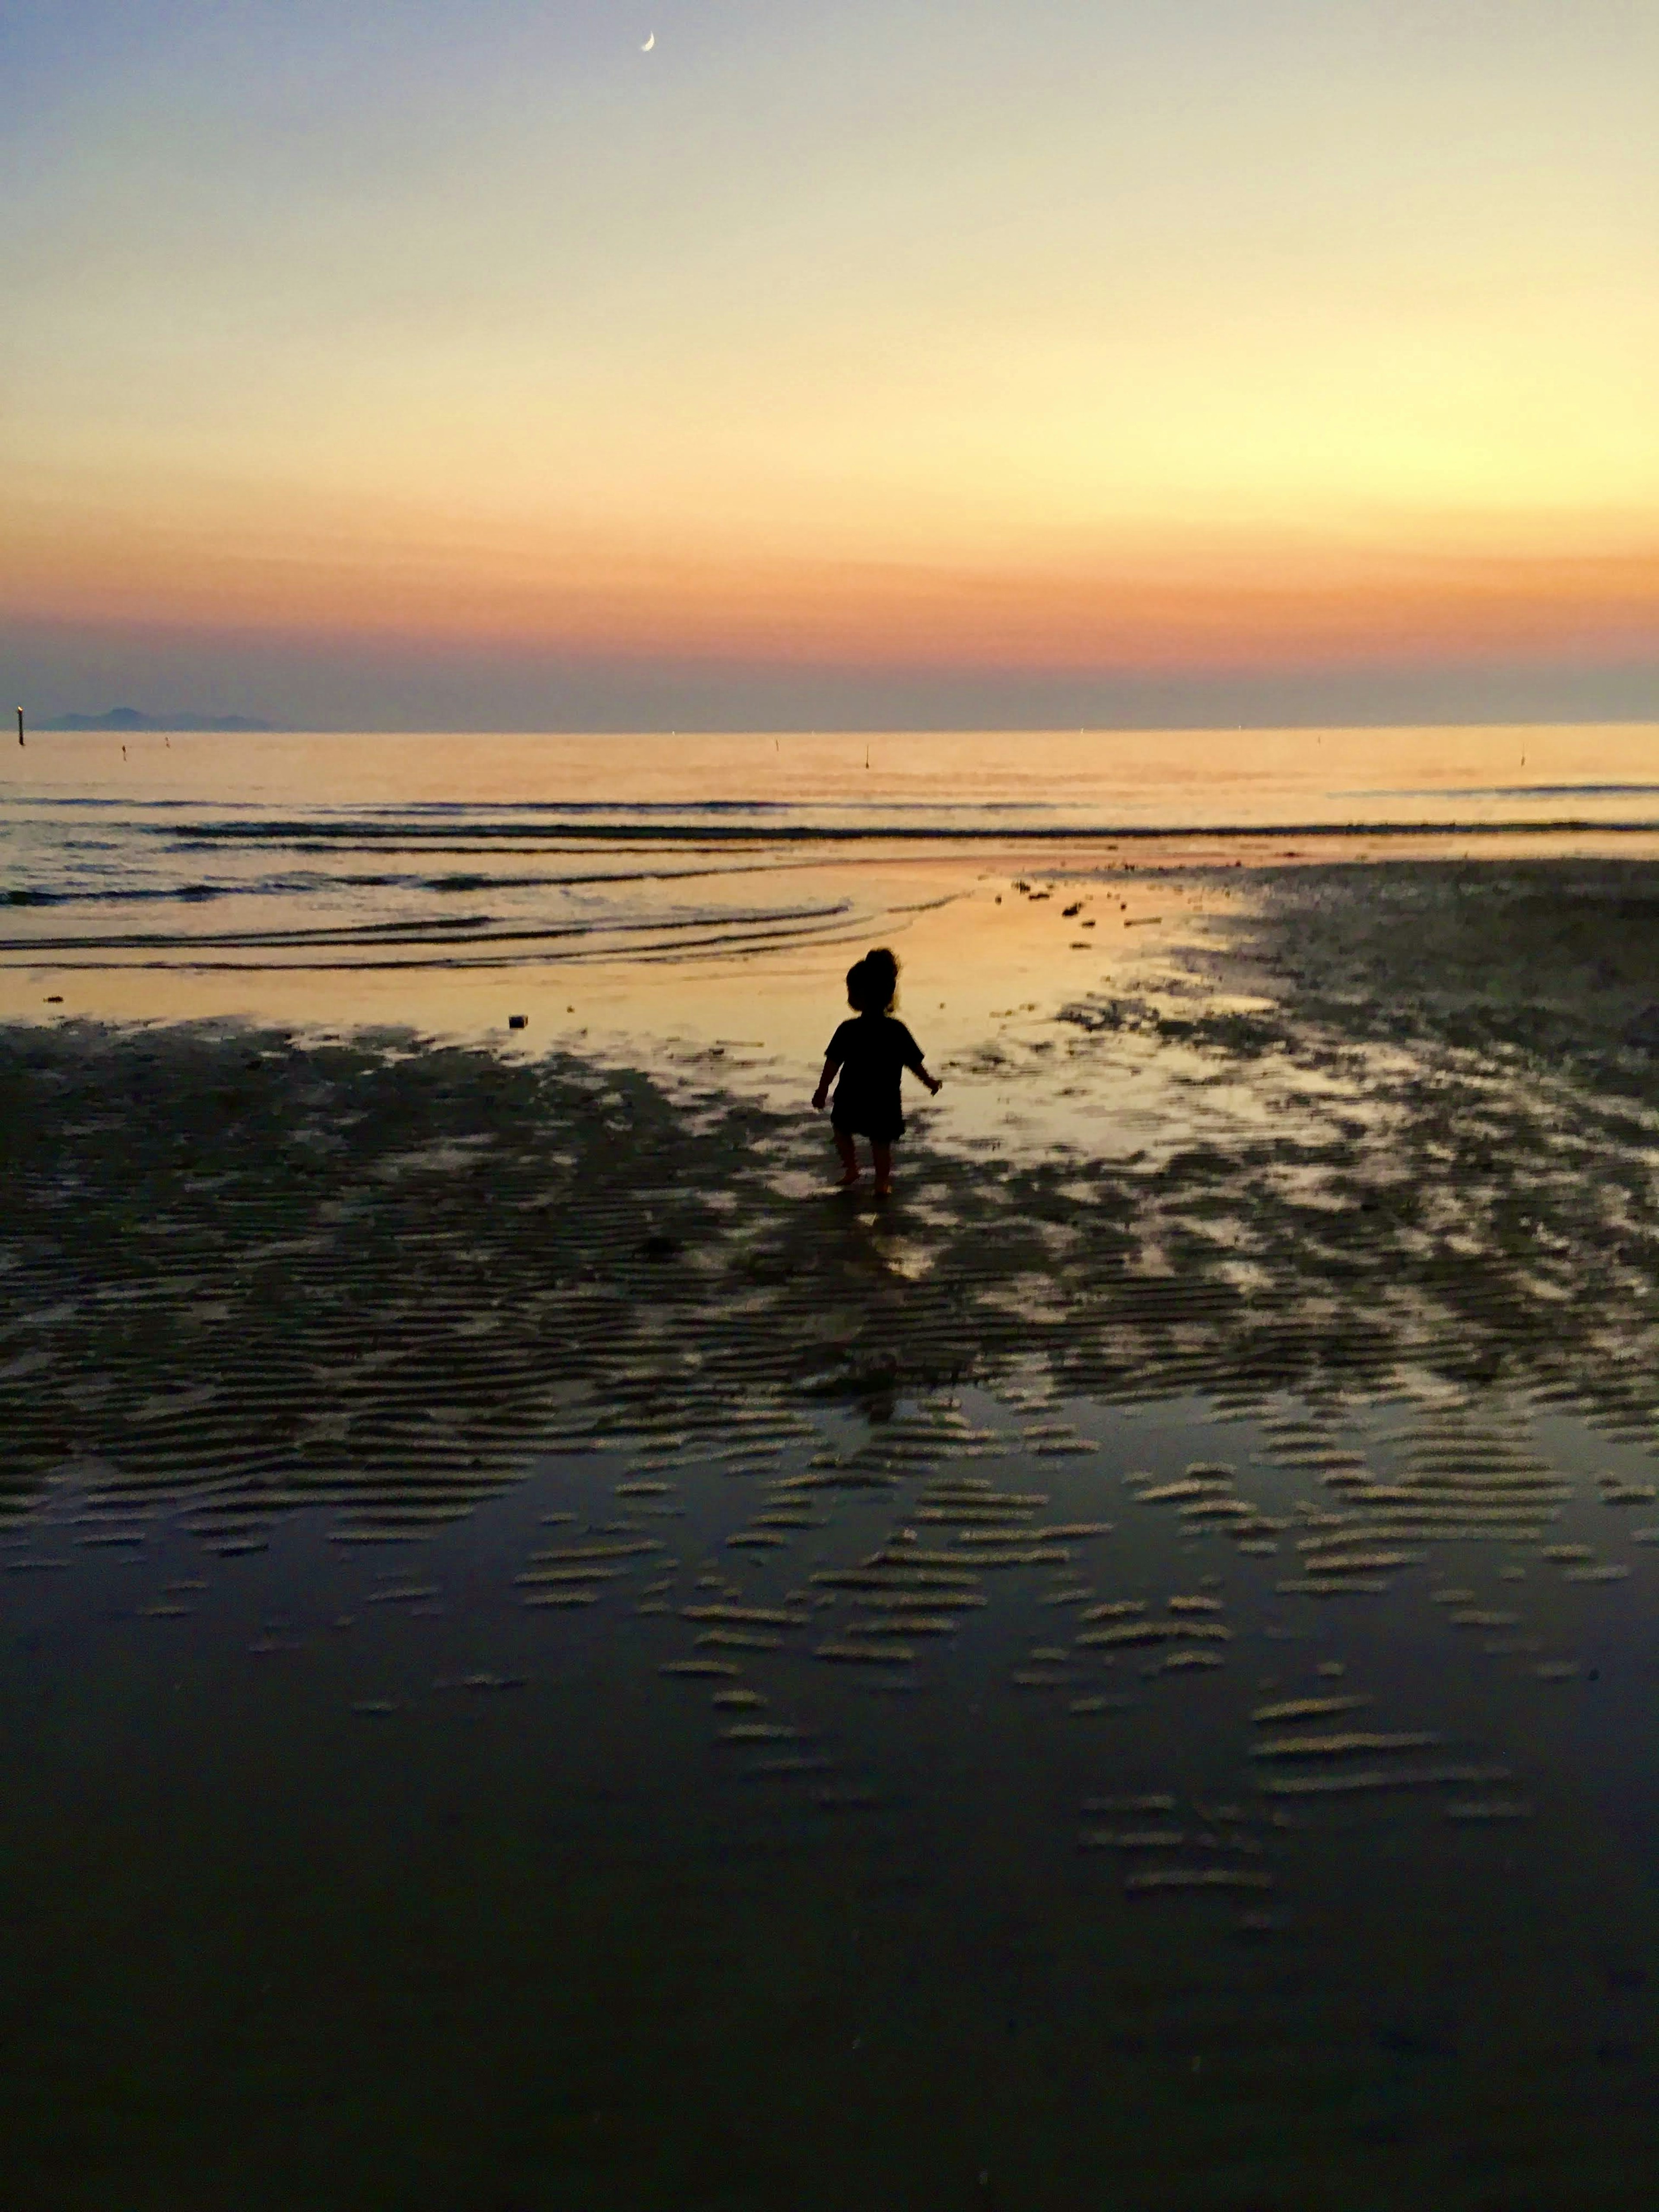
x=1247, y=339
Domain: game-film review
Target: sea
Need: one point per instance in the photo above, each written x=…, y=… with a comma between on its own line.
x=353, y=851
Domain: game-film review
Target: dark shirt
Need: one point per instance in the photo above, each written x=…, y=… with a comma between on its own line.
x=872, y=1051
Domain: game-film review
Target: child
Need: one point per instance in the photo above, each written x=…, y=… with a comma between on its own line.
x=872, y=1053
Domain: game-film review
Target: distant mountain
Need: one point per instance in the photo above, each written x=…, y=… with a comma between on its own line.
x=122, y=718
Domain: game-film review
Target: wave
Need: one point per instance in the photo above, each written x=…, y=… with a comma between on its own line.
x=301, y=836
x=32, y=894
x=1522, y=791
x=461, y=940
x=290, y=886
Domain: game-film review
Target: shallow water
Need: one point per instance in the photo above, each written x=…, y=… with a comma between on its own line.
x=364, y=855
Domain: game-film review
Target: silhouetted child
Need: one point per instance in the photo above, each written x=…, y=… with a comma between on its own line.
x=871, y=1052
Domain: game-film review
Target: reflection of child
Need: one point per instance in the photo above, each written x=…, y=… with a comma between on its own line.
x=871, y=1052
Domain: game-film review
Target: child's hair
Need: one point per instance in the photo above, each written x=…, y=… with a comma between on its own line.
x=872, y=983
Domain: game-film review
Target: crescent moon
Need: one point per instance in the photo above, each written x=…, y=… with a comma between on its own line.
x=649, y=43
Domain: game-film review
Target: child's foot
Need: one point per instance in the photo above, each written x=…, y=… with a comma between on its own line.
x=883, y=1190
x=852, y=1175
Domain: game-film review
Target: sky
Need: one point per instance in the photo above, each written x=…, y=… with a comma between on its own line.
x=460, y=363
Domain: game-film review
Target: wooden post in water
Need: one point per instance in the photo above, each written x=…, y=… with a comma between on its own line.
x=20, y=725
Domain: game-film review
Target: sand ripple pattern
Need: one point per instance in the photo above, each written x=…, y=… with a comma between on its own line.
x=254, y=1276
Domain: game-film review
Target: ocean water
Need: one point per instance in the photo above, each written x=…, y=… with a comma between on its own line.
x=385, y=852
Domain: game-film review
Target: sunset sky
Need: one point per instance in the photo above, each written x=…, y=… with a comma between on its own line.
x=457, y=363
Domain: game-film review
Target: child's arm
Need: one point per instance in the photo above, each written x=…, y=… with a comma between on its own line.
x=821, y=1096
x=913, y=1061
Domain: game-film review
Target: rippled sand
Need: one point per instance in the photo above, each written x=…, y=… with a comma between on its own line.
x=551, y=1659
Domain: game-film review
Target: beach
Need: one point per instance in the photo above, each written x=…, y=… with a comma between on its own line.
x=552, y=1658
x=573, y=1638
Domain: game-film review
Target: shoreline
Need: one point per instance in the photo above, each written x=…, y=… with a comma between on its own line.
x=1331, y=1094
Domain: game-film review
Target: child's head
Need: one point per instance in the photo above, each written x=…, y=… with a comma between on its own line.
x=873, y=982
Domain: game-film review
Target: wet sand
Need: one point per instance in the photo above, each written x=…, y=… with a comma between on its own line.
x=556, y=1660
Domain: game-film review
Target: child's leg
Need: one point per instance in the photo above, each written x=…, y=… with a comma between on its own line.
x=849, y=1157
x=882, y=1155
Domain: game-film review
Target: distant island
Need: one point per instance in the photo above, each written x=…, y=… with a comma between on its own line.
x=130, y=718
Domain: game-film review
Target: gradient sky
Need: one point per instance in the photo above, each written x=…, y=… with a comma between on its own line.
x=455, y=362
